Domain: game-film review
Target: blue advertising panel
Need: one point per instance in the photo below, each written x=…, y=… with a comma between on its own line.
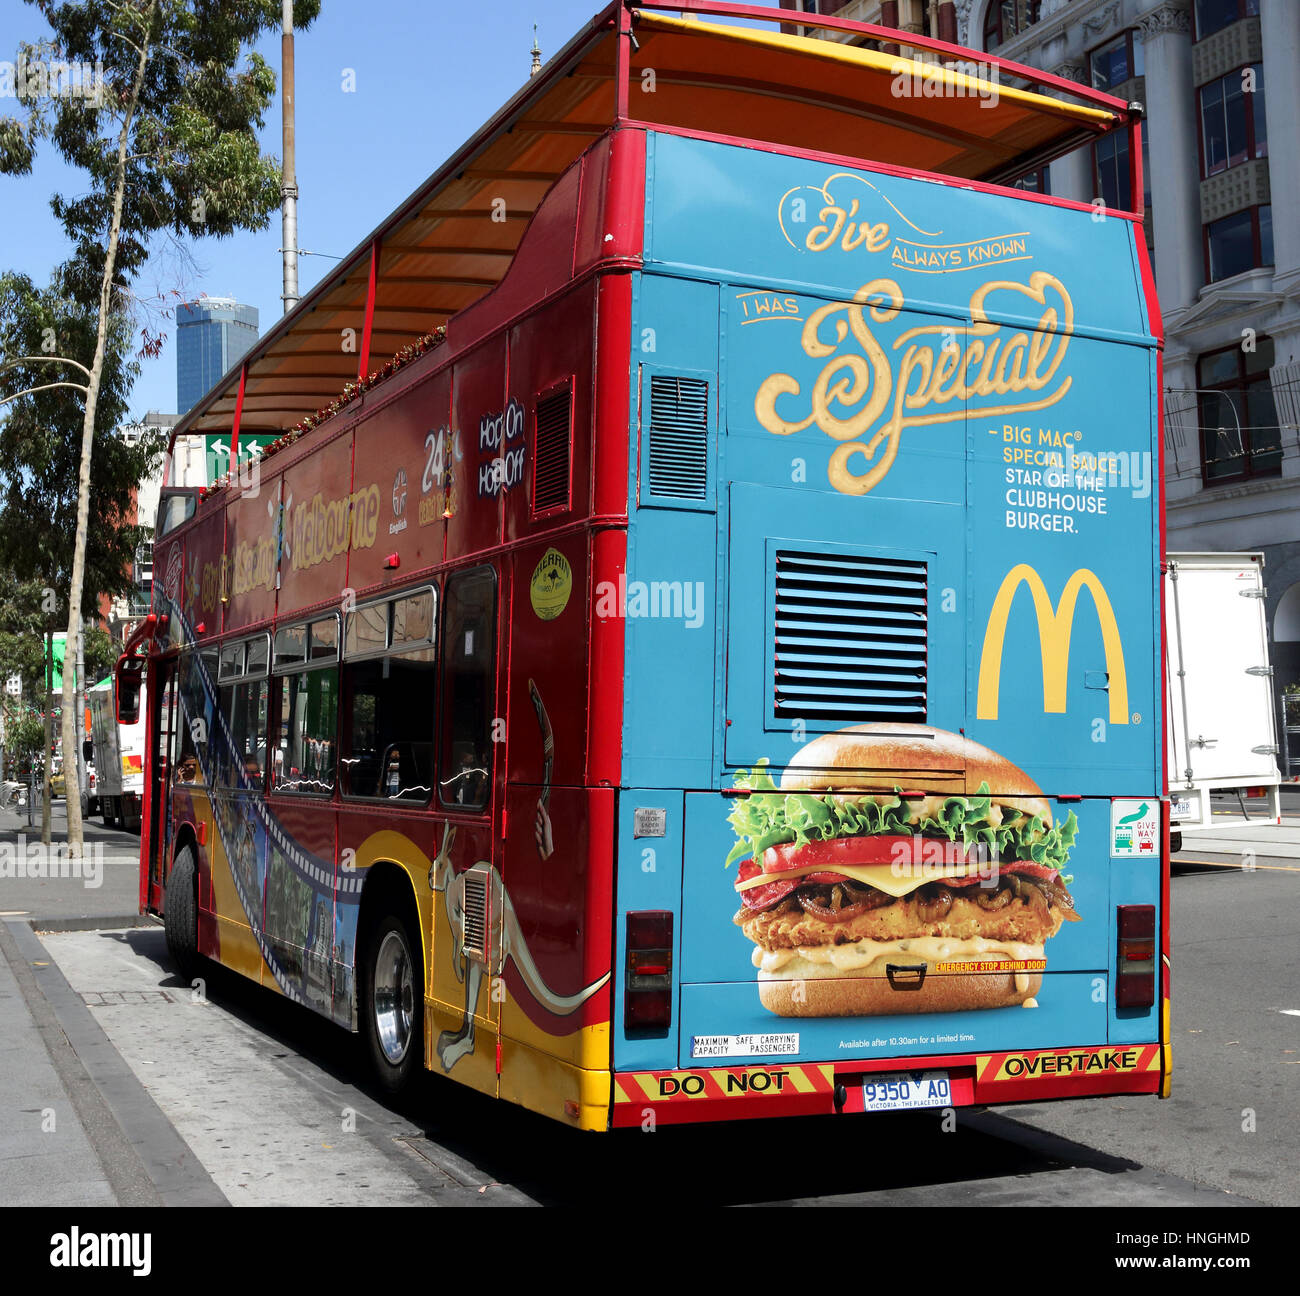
x=928, y=490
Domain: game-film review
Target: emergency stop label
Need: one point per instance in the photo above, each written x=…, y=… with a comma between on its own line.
x=1134, y=827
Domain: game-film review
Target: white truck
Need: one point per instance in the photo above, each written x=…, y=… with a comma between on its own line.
x=119, y=758
x=1220, y=718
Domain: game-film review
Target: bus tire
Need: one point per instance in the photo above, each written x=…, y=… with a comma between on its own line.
x=391, y=1000
x=110, y=815
x=181, y=913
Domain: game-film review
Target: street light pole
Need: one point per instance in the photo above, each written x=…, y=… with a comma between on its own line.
x=289, y=182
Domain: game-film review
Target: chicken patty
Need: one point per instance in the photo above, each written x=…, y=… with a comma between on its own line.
x=931, y=911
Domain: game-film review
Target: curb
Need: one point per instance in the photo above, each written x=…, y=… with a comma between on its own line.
x=108, y=923
x=160, y=1165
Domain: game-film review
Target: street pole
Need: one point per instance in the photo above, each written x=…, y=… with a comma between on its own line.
x=46, y=755
x=80, y=702
x=289, y=182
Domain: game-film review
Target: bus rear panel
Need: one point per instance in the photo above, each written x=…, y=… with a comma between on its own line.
x=892, y=553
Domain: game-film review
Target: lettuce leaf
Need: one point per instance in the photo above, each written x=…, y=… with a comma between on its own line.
x=769, y=817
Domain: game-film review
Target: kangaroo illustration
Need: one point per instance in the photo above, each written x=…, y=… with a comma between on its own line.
x=503, y=940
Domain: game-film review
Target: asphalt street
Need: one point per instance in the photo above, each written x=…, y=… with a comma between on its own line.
x=108, y=888
x=233, y=1094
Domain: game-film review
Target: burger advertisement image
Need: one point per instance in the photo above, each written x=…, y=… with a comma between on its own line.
x=867, y=897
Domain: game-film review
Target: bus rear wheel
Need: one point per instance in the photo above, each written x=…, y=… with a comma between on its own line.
x=392, y=1002
x=181, y=913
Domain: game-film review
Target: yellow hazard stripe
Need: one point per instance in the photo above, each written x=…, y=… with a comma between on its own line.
x=723, y=1082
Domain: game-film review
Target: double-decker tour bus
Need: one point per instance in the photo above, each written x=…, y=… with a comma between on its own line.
x=712, y=668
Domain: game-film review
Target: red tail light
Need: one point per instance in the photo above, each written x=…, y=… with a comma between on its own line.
x=648, y=990
x=1135, y=979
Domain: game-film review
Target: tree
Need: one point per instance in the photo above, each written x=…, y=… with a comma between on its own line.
x=38, y=501
x=167, y=143
x=38, y=442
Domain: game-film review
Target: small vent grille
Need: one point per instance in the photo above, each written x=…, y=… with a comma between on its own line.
x=476, y=914
x=551, y=466
x=679, y=437
x=850, y=638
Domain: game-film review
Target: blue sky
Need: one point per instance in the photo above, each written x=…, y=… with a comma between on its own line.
x=428, y=73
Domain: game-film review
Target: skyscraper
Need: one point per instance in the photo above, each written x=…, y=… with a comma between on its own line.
x=212, y=333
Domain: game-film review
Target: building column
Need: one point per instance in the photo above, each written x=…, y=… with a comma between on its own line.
x=1279, y=25
x=1166, y=35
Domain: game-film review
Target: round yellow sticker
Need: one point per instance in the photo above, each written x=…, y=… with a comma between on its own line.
x=551, y=585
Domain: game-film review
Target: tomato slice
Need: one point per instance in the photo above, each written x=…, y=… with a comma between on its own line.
x=839, y=850
x=846, y=851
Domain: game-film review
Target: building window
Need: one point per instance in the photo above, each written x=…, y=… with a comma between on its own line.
x=1215, y=15
x=1114, y=178
x=1239, y=433
x=1039, y=181
x=1237, y=243
x=1004, y=20
x=1233, y=127
x=1115, y=62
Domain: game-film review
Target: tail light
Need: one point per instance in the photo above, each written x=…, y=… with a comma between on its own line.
x=1135, y=980
x=648, y=991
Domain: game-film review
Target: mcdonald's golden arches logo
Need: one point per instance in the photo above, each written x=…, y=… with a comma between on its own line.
x=1055, y=625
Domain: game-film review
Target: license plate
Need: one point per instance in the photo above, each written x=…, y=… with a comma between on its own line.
x=1182, y=808
x=907, y=1090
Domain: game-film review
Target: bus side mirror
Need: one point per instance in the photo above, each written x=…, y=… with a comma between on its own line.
x=88, y=750
x=128, y=700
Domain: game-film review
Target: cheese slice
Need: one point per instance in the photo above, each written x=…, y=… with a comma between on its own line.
x=898, y=878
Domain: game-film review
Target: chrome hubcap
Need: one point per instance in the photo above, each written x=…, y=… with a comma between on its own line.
x=394, y=997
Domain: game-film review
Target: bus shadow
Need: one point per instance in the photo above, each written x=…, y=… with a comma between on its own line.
x=824, y=1158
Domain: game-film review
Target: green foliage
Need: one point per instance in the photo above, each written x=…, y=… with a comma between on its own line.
x=39, y=437
x=24, y=735
x=22, y=634
x=194, y=165
x=99, y=655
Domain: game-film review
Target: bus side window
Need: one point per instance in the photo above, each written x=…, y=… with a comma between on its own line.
x=303, y=757
x=468, y=643
x=245, y=706
x=388, y=727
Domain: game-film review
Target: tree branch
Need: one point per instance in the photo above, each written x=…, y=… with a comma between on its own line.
x=9, y=364
x=27, y=391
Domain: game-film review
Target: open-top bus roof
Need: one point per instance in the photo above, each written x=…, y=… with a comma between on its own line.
x=452, y=241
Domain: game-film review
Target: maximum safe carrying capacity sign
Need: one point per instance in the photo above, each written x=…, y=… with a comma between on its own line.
x=1134, y=827
x=723, y=1046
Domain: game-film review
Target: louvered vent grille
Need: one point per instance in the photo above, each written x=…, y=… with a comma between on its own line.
x=476, y=914
x=850, y=638
x=679, y=436
x=551, y=466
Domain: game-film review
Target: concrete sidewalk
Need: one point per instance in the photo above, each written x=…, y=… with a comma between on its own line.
x=46, y=1156
x=76, y=1126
